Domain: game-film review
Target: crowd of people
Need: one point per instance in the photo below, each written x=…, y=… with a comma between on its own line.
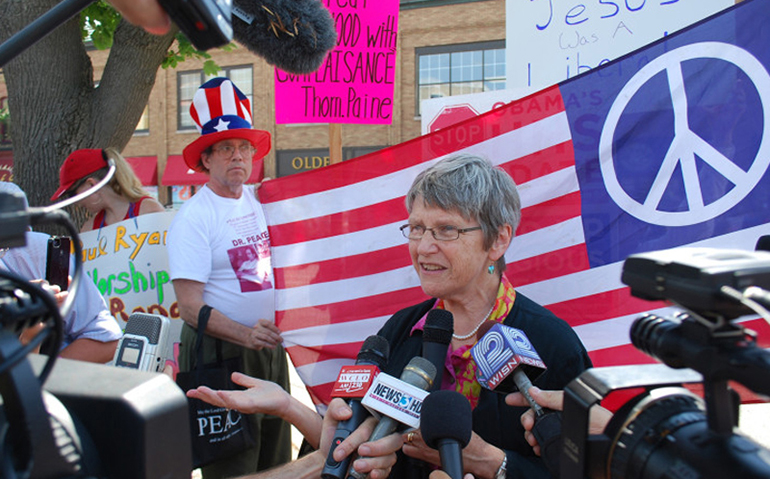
x=462, y=217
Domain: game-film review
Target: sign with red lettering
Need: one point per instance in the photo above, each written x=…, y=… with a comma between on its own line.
x=355, y=82
x=354, y=381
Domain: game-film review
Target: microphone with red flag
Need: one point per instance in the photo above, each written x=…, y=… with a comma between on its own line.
x=352, y=383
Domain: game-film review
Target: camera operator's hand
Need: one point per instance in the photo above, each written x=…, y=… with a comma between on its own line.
x=147, y=14
x=598, y=418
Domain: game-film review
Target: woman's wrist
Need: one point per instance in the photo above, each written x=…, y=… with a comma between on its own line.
x=486, y=464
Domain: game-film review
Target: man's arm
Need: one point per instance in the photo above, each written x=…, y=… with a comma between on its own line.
x=268, y=398
x=189, y=295
x=85, y=349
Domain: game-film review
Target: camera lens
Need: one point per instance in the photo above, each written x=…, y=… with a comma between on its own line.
x=644, y=429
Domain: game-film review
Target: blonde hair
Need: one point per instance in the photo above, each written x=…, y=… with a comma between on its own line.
x=124, y=182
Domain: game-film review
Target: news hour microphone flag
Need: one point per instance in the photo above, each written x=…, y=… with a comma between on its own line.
x=293, y=35
x=436, y=336
x=446, y=424
x=352, y=383
x=399, y=401
x=604, y=171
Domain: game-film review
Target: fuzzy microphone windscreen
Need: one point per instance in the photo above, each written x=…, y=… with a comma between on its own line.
x=292, y=35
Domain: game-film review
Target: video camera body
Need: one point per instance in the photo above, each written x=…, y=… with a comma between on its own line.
x=89, y=420
x=667, y=431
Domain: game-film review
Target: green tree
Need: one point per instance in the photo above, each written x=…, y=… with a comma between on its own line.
x=53, y=99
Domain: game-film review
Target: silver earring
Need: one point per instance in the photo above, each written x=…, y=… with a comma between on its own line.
x=491, y=269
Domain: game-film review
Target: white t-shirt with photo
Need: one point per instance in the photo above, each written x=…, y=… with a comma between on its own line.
x=214, y=240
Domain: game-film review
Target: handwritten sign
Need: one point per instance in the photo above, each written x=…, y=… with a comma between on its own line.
x=355, y=82
x=549, y=41
x=128, y=263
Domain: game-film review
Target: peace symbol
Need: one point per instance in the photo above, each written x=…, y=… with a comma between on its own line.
x=686, y=145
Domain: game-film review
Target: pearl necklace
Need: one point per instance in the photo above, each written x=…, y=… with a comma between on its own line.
x=466, y=336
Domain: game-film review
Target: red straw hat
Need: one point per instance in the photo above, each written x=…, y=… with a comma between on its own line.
x=79, y=164
x=221, y=112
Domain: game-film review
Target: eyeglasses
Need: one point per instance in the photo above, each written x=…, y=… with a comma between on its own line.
x=228, y=151
x=441, y=233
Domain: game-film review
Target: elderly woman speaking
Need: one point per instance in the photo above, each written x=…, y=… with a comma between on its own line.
x=463, y=213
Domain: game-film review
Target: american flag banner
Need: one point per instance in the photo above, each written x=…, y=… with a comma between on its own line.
x=665, y=147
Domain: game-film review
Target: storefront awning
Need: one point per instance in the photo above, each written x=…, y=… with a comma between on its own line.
x=146, y=168
x=178, y=173
x=6, y=166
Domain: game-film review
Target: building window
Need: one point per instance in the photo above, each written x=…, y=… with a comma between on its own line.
x=459, y=69
x=189, y=81
x=144, y=122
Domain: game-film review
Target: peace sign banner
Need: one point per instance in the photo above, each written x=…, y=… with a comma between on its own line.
x=665, y=147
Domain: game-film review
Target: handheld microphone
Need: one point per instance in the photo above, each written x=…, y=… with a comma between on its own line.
x=398, y=398
x=436, y=336
x=353, y=382
x=506, y=361
x=446, y=425
x=294, y=36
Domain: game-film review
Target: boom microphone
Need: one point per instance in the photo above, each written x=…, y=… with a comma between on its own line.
x=437, y=334
x=353, y=382
x=397, y=399
x=446, y=425
x=294, y=36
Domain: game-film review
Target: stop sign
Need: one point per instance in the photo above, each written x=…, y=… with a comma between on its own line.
x=449, y=115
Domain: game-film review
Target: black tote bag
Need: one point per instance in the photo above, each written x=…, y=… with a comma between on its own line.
x=216, y=432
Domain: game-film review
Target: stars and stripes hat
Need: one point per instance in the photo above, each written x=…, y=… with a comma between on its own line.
x=221, y=112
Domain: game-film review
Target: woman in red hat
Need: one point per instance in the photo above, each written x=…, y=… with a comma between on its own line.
x=123, y=199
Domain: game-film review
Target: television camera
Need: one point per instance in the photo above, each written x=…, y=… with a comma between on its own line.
x=61, y=419
x=667, y=431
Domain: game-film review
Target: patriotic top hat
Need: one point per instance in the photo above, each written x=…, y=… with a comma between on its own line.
x=221, y=112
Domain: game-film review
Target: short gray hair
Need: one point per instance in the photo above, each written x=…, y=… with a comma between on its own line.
x=474, y=188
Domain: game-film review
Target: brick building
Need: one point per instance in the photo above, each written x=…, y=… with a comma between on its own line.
x=445, y=47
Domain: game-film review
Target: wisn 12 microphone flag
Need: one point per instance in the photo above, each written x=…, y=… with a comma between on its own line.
x=667, y=146
x=500, y=352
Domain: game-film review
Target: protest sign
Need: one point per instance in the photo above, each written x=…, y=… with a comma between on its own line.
x=355, y=82
x=549, y=41
x=128, y=263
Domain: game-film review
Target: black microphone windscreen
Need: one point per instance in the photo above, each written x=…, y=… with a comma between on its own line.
x=375, y=351
x=294, y=35
x=446, y=415
x=439, y=326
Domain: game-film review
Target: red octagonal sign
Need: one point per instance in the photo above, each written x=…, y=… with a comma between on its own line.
x=449, y=115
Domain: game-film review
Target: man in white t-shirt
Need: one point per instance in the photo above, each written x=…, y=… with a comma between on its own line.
x=214, y=234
